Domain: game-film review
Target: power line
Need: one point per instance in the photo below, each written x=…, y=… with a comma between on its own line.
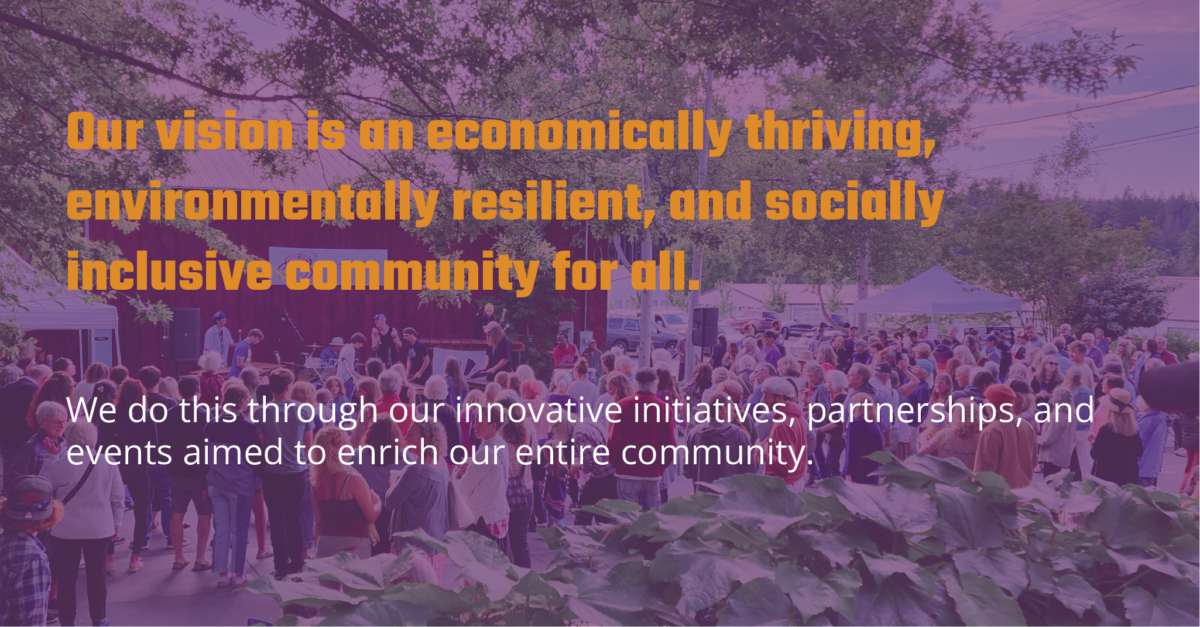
x=1020, y=6
x=1125, y=143
x=1101, y=106
x=1047, y=18
x=1088, y=18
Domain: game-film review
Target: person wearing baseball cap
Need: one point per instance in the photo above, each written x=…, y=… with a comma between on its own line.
x=218, y=339
x=861, y=354
x=486, y=316
x=24, y=566
x=1005, y=448
x=780, y=395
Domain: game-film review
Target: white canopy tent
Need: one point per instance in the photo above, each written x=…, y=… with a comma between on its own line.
x=935, y=293
x=45, y=305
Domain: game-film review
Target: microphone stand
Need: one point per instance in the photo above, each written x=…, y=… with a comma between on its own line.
x=288, y=318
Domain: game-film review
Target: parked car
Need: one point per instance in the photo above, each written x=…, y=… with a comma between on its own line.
x=672, y=319
x=625, y=330
x=758, y=320
x=808, y=321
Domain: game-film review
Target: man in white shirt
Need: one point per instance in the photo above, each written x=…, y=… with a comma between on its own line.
x=345, y=361
x=218, y=339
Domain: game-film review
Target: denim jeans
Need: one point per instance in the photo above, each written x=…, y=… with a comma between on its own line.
x=231, y=526
x=518, y=536
x=1148, y=482
x=642, y=492
x=160, y=490
x=308, y=521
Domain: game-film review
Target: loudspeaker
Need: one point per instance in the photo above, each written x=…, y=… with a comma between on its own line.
x=704, y=326
x=186, y=339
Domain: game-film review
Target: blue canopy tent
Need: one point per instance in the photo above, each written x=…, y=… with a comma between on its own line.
x=937, y=293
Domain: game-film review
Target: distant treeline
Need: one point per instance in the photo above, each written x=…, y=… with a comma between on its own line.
x=1175, y=221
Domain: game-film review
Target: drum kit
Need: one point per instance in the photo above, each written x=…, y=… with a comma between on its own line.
x=310, y=367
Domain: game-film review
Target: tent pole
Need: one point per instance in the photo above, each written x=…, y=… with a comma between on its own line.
x=117, y=341
x=82, y=357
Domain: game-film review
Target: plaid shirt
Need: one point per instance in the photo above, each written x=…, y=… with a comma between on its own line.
x=588, y=434
x=24, y=580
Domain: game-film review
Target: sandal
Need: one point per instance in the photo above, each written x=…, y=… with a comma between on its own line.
x=180, y=565
x=262, y=555
x=202, y=566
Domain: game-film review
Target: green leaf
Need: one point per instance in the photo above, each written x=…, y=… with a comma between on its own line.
x=979, y=601
x=705, y=572
x=966, y=520
x=620, y=596
x=1131, y=559
x=592, y=547
x=837, y=547
x=1124, y=521
x=759, y=602
x=1004, y=568
x=433, y=597
x=933, y=469
x=307, y=593
x=674, y=518
x=759, y=502
x=1175, y=604
x=384, y=613
x=616, y=509
x=894, y=507
x=898, y=601
x=1077, y=595
x=372, y=574
x=811, y=595
x=534, y=585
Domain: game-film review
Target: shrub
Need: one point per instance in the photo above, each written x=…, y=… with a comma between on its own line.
x=932, y=544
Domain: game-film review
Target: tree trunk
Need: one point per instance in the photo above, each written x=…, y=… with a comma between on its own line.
x=863, y=276
x=689, y=355
x=645, y=347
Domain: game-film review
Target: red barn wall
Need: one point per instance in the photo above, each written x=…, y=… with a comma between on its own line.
x=318, y=315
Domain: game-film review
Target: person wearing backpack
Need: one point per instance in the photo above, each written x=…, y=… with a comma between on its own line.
x=93, y=498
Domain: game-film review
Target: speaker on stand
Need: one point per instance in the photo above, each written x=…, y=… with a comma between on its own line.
x=185, y=337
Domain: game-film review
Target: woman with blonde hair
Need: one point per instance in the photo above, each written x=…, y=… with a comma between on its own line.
x=1118, y=444
x=1018, y=371
x=1079, y=381
x=344, y=505
x=456, y=383
x=211, y=383
x=96, y=372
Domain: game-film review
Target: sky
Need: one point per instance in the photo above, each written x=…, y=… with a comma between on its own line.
x=1148, y=145
x=1167, y=36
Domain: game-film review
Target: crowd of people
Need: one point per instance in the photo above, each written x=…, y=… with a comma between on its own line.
x=315, y=504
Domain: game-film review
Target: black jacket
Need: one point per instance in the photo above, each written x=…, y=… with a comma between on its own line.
x=14, y=405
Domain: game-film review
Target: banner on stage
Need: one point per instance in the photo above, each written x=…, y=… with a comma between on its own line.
x=472, y=361
x=279, y=256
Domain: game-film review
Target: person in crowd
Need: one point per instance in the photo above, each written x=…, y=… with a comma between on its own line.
x=1047, y=379
x=160, y=481
x=251, y=377
x=1056, y=442
x=134, y=471
x=386, y=344
x=863, y=436
x=211, y=383
x=169, y=387
x=1077, y=354
x=1124, y=351
x=960, y=437
x=10, y=373
x=493, y=389
x=943, y=388
x=484, y=479
x=93, y=499
x=790, y=434
x=284, y=483
x=616, y=388
x=832, y=428
x=499, y=352
x=345, y=506
x=916, y=393
x=564, y=352
x=374, y=367
x=1101, y=340
x=560, y=382
x=1153, y=428
x=583, y=437
x=417, y=361
x=374, y=464
x=1190, y=431
x=726, y=434
x=217, y=338
x=702, y=381
x=189, y=480
x=25, y=574
x=844, y=357
x=1091, y=350
x=639, y=483
x=1118, y=443
x=391, y=383
x=439, y=407
x=46, y=445
x=243, y=352
x=1079, y=382
x=718, y=351
x=95, y=372
x=346, y=362
x=328, y=355
x=820, y=405
x=770, y=352
x=260, y=392
x=861, y=354
x=16, y=399
x=583, y=390
x=1167, y=357
x=456, y=384
x=418, y=497
x=486, y=316
x=1006, y=448
x=231, y=484
x=517, y=492
x=1150, y=350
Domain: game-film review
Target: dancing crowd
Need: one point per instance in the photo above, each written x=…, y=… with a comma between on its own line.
x=59, y=509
